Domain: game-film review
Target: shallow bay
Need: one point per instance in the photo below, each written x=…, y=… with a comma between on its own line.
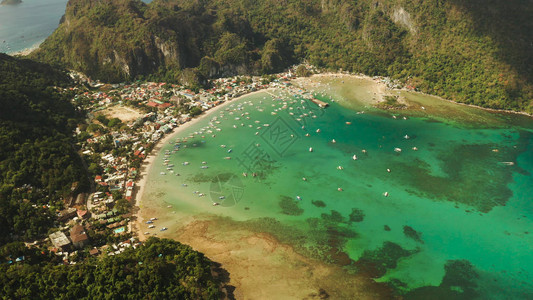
x=456, y=219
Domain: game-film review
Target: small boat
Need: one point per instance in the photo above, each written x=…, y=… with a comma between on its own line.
x=151, y=226
x=304, y=179
x=149, y=222
x=310, y=149
x=245, y=174
x=364, y=151
x=415, y=148
x=354, y=157
x=507, y=163
x=204, y=162
x=307, y=134
x=340, y=168
x=229, y=150
x=163, y=229
x=298, y=198
x=386, y=194
x=340, y=189
x=204, y=167
x=406, y=137
x=162, y=173
x=398, y=150
x=216, y=203
x=185, y=163
x=318, y=131
x=348, y=123
x=227, y=157
x=153, y=219
x=169, y=206
x=333, y=141
x=222, y=197
x=388, y=170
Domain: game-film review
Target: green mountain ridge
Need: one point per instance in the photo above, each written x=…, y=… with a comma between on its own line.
x=476, y=52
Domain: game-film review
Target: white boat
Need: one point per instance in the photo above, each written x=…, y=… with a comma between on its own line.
x=415, y=148
x=163, y=229
x=406, y=137
x=162, y=173
x=386, y=194
x=298, y=198
x=151, y=226
x=333, y=141
x=216, y=203
x=397, y=150
x=340, y=168
x=310, y=149
x=318, y=131
x=364, y=151
x=354, y=157
x=388, y=170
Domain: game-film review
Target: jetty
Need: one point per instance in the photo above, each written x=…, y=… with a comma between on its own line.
x=321, y=104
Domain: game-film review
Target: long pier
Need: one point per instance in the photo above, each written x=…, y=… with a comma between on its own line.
x=321, y=104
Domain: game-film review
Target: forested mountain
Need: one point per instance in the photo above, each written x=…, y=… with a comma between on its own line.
x=38, y=164
x=159, y=269
x=478, y=52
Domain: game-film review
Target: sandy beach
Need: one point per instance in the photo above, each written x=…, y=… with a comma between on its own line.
x=150, y=159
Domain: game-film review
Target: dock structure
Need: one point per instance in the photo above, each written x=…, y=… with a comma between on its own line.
x=321, y=104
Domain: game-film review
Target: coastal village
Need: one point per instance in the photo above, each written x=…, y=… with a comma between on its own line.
x=124, y=123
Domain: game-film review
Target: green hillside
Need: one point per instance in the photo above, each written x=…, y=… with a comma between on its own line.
x=38, y=164
x=159, y=269
x=477, y=52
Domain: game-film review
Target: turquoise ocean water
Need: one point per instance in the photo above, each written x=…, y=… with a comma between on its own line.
x=29, y=23
x=457, y=219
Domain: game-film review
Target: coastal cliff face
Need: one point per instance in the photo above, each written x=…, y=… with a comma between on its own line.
x=470, y=51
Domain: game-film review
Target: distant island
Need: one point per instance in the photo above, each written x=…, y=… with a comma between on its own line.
x=10, y=2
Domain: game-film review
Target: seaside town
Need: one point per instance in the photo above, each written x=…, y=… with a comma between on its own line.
x=124, y=123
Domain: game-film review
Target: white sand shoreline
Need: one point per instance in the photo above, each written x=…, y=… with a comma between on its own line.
x=150, y=159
